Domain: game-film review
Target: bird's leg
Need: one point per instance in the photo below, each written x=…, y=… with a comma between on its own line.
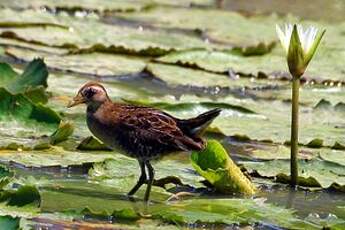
x=141, y=181
x=151, y=172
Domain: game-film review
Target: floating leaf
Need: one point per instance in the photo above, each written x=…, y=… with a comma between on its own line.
x=126, y=40
x=9, y=222
x=313, y=173
x=31, y=82
x=106, y=65
x=101, y=6
x=22, y=108
x=326, y=66
x=64, y=130
x=21, y=98
x=215, y=165
x=177, y=76
x=91, y=143
x=5, y=176
x=123, y=172
x=35, y=74
x=53, y=157
x=227, y=211
x=25, y=195
x=224, y=27
x=332, y=155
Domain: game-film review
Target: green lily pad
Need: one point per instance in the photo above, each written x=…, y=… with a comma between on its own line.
x=31, y=82
x=275, y=152
x=123, y=172
x=26, y=120
x=21, y=107
x=332, y=155
x=62, y=133
x=103, y=37
x=44, y=141
x=310, y=95
x=102, y=6
x=35, y=74
x=24, y=195
x=222, y=61
x=9, y=222
x=174, y=76
x=221, y=26
x=91, y=143
x=216, y=166
x=106, y=65
x=203, y=105
x=5, y=176
x=53, y=157
x=326, y=65
x=227, y=211
x=313, y=173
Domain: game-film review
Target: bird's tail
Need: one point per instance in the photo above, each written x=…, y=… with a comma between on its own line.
x=196, y=126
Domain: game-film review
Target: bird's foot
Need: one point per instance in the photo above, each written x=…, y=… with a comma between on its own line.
x=180, y=195
x=130, y=197
x=162, y=182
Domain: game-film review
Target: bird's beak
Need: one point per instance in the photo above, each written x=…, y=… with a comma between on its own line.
x=76, y=101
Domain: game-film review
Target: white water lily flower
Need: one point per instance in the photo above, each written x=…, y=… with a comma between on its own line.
x=300, y=45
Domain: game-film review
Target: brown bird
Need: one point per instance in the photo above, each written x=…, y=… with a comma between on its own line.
x=140, y=132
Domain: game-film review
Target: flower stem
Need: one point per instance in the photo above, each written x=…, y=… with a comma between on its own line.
x=294, y=130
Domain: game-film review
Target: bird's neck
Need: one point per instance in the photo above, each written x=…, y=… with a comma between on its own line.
x=92, y=107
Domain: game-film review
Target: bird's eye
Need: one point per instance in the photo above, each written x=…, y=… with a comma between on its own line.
x=89, y=92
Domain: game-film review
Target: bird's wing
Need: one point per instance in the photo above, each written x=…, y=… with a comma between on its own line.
x=153, y=126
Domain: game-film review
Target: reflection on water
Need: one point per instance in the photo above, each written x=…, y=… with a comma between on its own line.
x=322, y=203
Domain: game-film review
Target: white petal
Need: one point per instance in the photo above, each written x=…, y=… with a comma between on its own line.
x=307, y=37
x=311, y=38
x=284, y=36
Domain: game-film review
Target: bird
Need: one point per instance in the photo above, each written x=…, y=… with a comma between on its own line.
x=141, y=132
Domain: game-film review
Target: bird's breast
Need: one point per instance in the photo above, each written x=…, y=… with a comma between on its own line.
x=107, y=133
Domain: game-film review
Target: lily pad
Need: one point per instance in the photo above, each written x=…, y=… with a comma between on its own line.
x=326, y=65
x=313, y=173
x=125, y=171
x=177, y=76
x=221, y=26
x=102, y=6
x=28, y=117
x=89, y=5
x=91, y=143
x=24, y=195
x=103, y=37
x=216, y=166
x=106, y=64
x=227, y=211
x=21, y=107
x=62, y=133
x=53, y=157
x=31, y=82
x=9, y=222
x=332, y=155
x=5, y=176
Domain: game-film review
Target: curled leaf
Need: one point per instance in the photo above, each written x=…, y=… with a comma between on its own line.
x=64, y=130
x=215, y=165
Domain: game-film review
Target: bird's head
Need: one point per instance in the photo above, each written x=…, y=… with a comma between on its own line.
x=92, y=93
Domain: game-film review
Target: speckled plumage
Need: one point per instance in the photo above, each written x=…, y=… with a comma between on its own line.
x=141, y=132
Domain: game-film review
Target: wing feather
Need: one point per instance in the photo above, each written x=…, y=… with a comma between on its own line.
x=153, y=126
